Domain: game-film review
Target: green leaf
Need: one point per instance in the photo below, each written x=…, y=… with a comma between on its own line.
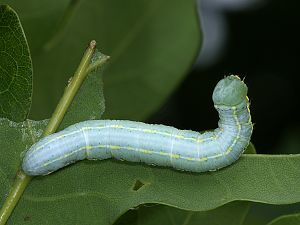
x=15, y=67
x=293, y=219
x=16, y=137
x=89, y=103
x=262, y=214
x=233, y=213
x=152, y=45
x=98, y=192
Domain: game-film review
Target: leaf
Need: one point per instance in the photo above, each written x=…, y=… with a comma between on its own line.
x=89, y=103
x=232, y=213
x=15, y=67
x=98, y=192
x=40, y=20
x=292, y=219
x=16, y=138
x=262, y=214
x=152, y=45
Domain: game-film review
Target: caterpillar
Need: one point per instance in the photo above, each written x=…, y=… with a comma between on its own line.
x=152, y=144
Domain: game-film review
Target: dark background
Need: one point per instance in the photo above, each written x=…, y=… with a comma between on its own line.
x=263, y=46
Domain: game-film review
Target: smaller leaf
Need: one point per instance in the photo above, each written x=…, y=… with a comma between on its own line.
x=89, y=102
x=232, y=213
x=15, y=67
x=262, y=214
x=292, y=219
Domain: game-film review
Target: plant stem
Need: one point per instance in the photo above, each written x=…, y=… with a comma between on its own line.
x=71, y=90
x=16, y=192
x=22, y=179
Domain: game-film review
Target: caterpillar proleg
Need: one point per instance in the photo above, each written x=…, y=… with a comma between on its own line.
x=152, y=144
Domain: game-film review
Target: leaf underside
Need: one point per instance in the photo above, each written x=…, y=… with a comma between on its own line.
x=15, y=68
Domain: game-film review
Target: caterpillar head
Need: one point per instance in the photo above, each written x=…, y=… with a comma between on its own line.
x=230, y=91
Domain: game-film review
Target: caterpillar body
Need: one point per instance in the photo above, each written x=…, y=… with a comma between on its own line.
x=152, y=144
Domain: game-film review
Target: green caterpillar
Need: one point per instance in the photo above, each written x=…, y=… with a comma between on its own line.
x=152, y=144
